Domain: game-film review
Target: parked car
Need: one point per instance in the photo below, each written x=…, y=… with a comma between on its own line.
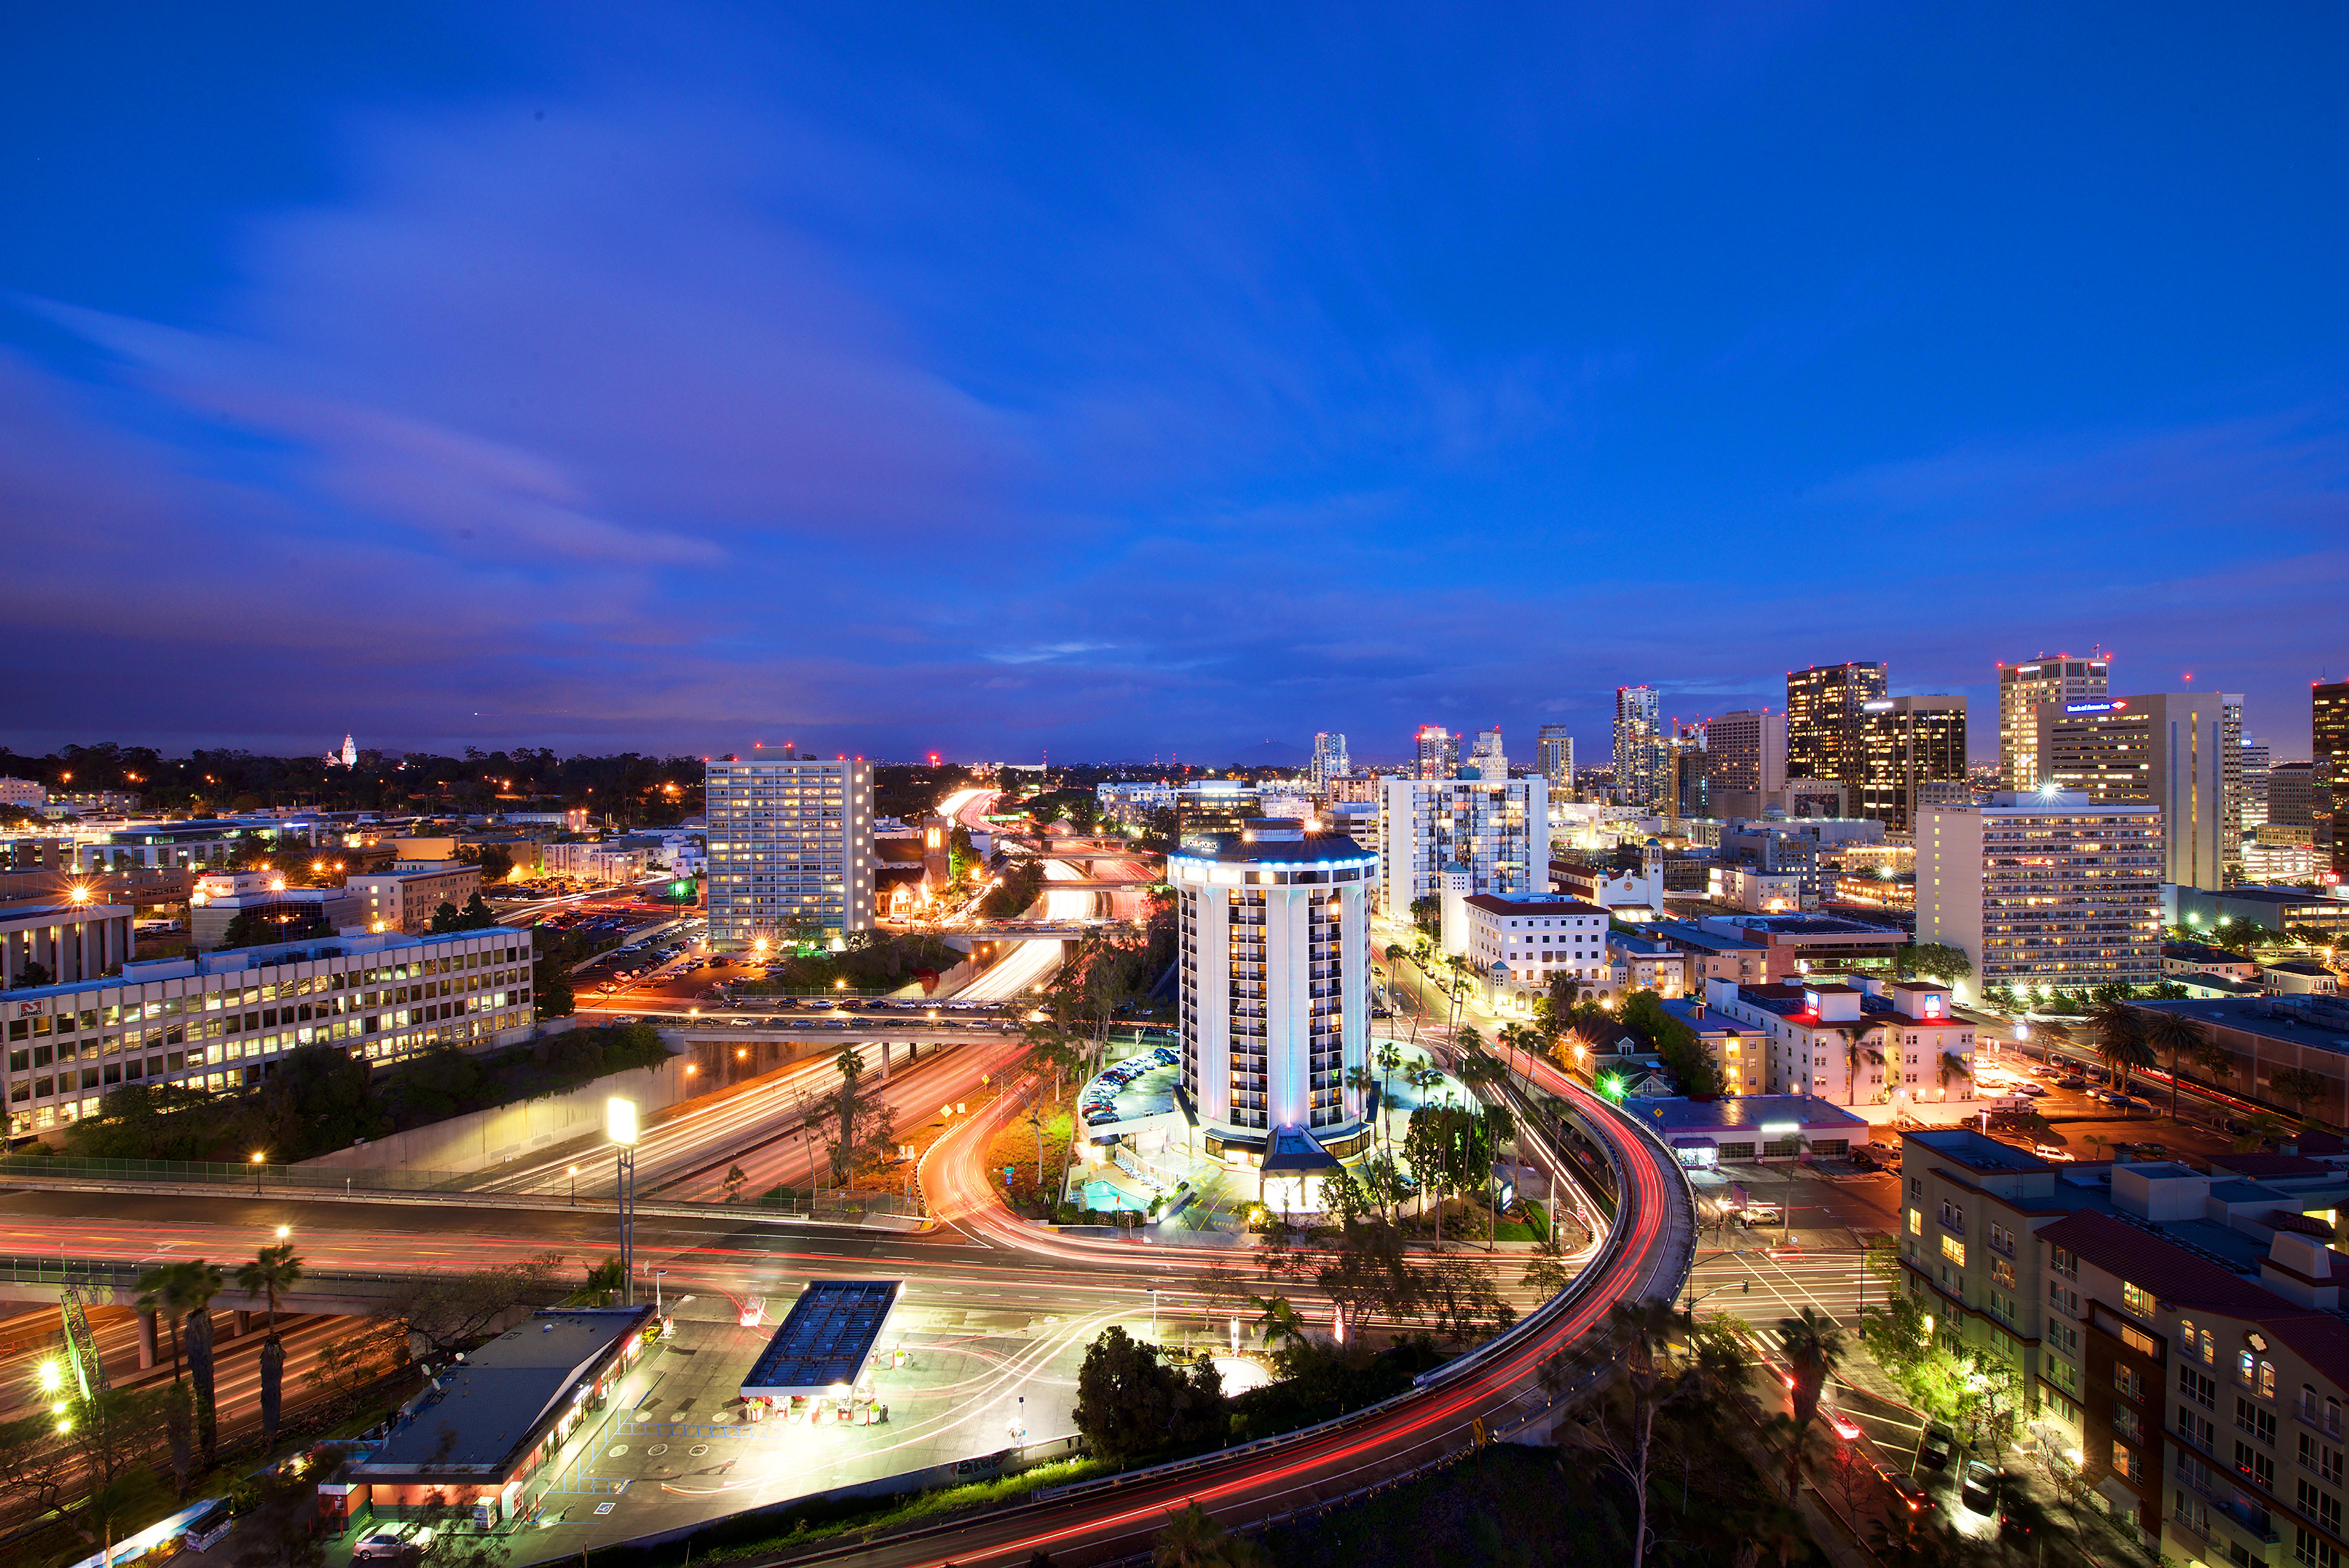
x=1979, y=1491
x=1862, y=1159
x=1933, y=1452
x=2076, y=1083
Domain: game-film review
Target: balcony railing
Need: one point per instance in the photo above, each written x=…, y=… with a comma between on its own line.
x=2321, y=1418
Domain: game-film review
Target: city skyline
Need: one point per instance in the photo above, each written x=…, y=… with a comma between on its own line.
x=970, y=387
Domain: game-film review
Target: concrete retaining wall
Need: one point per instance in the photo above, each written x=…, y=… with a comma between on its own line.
x=480, y=1139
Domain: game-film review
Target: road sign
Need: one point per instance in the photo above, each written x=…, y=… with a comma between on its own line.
x=1007, y=1172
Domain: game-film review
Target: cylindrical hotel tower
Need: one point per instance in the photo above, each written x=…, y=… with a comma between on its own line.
x=1276, y=970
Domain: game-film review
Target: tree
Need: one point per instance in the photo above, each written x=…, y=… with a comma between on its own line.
x=1192, y=1540
x=445, y=1313
x=35, y=1467
x=1855, y=1037
x=1131, y=1400
x=2172, y=1032
x=203, y=1282
x=1426, y=911
x=2120, y=1041
x=1935, y=960
x=2299, y=1088
x=1621, y=1432
x=1369, y=1271
x=270, y=1274
x=344, y=1366
x=1545, y=1268
x=1814, y=1347
x=474, y=916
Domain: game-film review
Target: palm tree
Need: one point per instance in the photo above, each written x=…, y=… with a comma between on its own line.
x=2173, y=1032
x=1360, y=1080
x=2120, y=1041
x=1389, y=1058
x=1814, y=1347
x=162, y=1294
x=1854, y=1035
x=1501, y=1127
x=269, y=1275
x=204, y=1281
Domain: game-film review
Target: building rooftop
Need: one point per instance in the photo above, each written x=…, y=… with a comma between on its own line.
x=1295, y=849
x=1753, y=1112
x=487, y=1409
x=1976, y=1152
x=2319, y=1021
x=823, y=1344
x=1683, y=933
x=1530, y=904
x=2200, y=952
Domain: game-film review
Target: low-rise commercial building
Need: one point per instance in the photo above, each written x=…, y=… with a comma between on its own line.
x=1794, y=945
x=223, y=1021
x=62, y=942
x=483, y=1428
x=2275, y=908
x=221, y=898
x=1750, y=1129
x=2303, y=1038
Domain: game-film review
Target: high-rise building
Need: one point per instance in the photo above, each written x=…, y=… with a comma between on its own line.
x=2022, y=689
x=2230, y=783
x=1640, y=778
x=2166, y=748
x=2328, y=758
x=1912, y=754
x=1329, y=759
x=1439, y=752
x=1554, y=753
x=1488, y=761
x=2291, y=795
x=1822, y=713
x=2045, y=887
x=1495, y=830
x=1685, y=774
x=1275, y=994
x=2257, y=758
x=790, y=849
x=1746, y=749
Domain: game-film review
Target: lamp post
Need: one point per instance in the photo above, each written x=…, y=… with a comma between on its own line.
x=256, y=1172
x=658, y=1275
x=620, y=1127
x=574, y=1186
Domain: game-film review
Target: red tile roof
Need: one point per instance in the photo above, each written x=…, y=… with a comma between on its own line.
x=2179, y=1279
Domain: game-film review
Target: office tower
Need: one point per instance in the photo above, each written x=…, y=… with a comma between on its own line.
x=1685, y=791
x=1746, y=749
x=2021, y=690
x=1275, y=993
x=2164, y=748
x=1638, y=749
x=1439, y=752
x=1912, y=754
x=1206, y=807
x=1555, y=752
x=2328, y=758
x=1488, y=761
x=1823, y=709
x=2230, y=785
x=2044, y=888
x=1495, y=830
x=2252, y=772
x=1329, y=759
x=2291, y=795
x=790, y=849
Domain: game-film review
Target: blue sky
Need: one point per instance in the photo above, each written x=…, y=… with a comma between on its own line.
x=1125, y=381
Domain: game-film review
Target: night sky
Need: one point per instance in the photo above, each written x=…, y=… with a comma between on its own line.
x=1123, y=381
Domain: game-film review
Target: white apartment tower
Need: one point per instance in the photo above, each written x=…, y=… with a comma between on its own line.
x=1274, y=997
x=1495, y=831
x=2044, y=888
x=2022, y=689
x=1329, y=759
x=1488, y=761
x=791, y=849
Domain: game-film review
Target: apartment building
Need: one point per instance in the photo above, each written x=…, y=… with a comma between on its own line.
x=1554, y=755
x=223, y=1021
x=2043, y=888
x=2175, y=750
x=2328, y=738
x=1640, y=753
x=791, y=849
x=1745, y=760
x=404, y=898
x=1855, y=1041
x=1532, y=936
x=2025, y=688
x=1437, y=751
x=1496, y=830
x=1329, y=759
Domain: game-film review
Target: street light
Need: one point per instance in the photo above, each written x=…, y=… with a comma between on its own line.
x=257, y=1157
x=574, y=1186
x=620, y=1127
